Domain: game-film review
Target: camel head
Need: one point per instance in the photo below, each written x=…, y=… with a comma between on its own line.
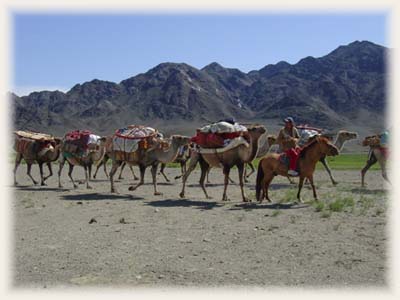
x=256, y=130
x=371, y=141
x=326, y=147
x=179, y=140
x=347, y=135
x=271, y=139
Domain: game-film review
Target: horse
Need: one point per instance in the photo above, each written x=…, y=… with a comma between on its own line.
x=310, y=154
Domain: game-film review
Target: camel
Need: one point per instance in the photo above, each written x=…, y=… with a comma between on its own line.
x=270, y=166
x=32, y=153
x=86, y=161
x=103, y=163
x=182, y=158
x=237, y=156
x=376, y=154
x=144, y=158
x=341, y=137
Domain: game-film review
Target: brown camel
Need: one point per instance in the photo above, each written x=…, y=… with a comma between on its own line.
x=375, y=154
x=237, y=156
x=92, y=156
x=144, y=158
x=34, y=151
x=271, y=165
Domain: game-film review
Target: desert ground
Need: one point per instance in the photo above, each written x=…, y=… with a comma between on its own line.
x=83, y=238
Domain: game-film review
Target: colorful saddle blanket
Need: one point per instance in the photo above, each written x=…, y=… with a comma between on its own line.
x=79, y=142
x=135, y=132
x=133, y=137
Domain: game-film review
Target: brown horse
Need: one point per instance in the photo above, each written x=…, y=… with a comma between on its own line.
x=270, y=166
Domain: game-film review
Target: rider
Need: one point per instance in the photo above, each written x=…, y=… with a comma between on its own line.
x=286, y=134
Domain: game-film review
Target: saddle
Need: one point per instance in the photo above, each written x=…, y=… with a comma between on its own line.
x=40, y=142
x=134, y=137
x=76, y=142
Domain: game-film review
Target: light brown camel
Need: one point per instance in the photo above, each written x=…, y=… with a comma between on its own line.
x=341, y=137
x=103, y=163
x=271, y=166
x=92, y=156
x=237, y=156
x=375, y=154
x=32, y=152
x=182, y=158
x=144, y=158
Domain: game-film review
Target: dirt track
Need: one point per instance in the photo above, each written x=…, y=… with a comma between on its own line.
x=135, y=238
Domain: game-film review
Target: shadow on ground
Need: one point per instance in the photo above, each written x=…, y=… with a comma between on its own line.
x=251, y=206
x=99, y=197
x=40, y=188
x=184, y=203
x=366, y=191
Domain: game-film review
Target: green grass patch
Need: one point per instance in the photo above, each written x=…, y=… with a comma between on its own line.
x=319, y=206
x=342, y=204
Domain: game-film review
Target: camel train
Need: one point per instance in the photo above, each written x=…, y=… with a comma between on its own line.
x=218, y=145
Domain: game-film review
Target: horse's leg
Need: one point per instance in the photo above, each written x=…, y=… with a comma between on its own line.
x=382, y=163
x=241, y=167
x=114, y=167
x=142, y=169
x=60, y=167
x=71, y=168
x=50, y=171
x=87, y=176
x=371, y=161
x=204, y=168
x=162, y=171
x=291, y=181
x=301, y=181
x=192, y=165
x=18, y=159
x=154, y=175
x=266, y=182
x=226, y=171
x=311, y=179
x=28, y=171
x=325, y=164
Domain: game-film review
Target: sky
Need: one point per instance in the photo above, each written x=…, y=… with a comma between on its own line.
x=57, y=51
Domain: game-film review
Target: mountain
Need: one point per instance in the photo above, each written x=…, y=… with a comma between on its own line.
x=344, y=88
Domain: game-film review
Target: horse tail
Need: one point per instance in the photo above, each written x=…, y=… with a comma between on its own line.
x=260, y=177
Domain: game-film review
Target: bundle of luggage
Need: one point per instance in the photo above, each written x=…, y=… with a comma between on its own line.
x=80, y=142
x=219, y=134
x=134, y=137
x=41, y=141
x=306, y=132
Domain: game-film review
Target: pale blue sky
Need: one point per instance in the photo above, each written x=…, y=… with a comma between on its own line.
x=56, y=51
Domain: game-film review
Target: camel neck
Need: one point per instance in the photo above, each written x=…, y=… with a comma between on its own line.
x=169, y=155
x=253, y=148
x=339, y=142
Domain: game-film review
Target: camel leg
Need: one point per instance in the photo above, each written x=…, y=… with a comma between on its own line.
x=291, y=181
x=133, y=173
x=311, y=179
x=90, y=171
x=122, y=169
x=301, y=181
x=208, y=172
x=154, y=175
x=192, y=165
x=87, y=176
x=60, y=167
x=248, y=175
x=50, y=172
x=41, y=173
x=142, y=169
x=226, y=171
x=71, y=168
x=115, y=165
x=382, y=163
x=371, y=161
x=204, y=168
x=28, y=171
x=18, y=159
x=325, y=164
x=241, y=168
x=162, y=172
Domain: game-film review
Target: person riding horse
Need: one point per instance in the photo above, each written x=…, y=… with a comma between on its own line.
x=287, y=140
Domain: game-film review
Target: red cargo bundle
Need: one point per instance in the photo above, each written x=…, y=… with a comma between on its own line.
x=77, y=140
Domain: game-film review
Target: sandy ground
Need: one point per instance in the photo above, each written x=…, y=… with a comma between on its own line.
x=66, y=237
